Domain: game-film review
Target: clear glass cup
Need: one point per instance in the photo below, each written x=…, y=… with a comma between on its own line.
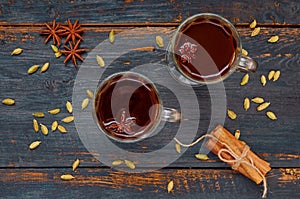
x=123, y=126
x=238, y=63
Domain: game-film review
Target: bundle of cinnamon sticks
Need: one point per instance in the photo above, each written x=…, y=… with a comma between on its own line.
x=249, y=164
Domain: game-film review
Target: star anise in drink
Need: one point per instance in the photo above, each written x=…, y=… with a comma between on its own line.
x=53, y=31
x=123, y=125
x=73, y=31
x=73, y=52
x=187, y=51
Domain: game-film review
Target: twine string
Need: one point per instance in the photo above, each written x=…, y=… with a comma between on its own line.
x=238, y=159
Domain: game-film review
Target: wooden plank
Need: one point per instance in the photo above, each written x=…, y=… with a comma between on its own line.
x=276, y=142
x=147, y=12
x=94, y=183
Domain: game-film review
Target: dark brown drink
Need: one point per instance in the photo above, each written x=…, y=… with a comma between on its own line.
x=204, y=49
x=127, y=106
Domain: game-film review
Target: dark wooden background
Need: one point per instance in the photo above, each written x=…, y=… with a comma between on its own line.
x=36, y=174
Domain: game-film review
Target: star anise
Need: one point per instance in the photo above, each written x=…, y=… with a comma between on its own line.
x=73, y=31
x=187, y=51
x=123, y=125
x=53, y=31
x=73, y=52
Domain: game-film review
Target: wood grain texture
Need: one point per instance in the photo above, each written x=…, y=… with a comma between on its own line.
x=137, y=12
x=276, y=142
x=107, y=183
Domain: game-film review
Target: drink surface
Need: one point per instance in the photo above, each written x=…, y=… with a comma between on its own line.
x=205, y=49
x=127, y=106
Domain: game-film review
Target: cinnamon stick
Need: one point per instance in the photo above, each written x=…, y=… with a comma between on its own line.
x=215, y=147
x=224, y=136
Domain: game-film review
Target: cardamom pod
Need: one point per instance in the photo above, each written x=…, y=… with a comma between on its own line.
x=271, y=115
x=244, y=52
x=54, y=111
x=33, y=69
x=35, y=125
x=69, y=107
x=54, y=126
x=38, y=114
x=273, y=39
x=178, y=148
x=276, y=76
x=255, y=32
x=117, y=162
x=54, y=48
x=58, y=54
x=246, y=103
x=263, y=80
x=34, y=145
x=237, y=134
x=67, y=177
x=17, y=51
x=112, y=36
x=44, y=129
x=68, y=119
x=159, y=41
x=45, y=67
x=271, y=74
x=100, y=61
x=129, y=164
x=90, y=94
x=245, y=80
x=263, y=106
x=170, y=186
x=61, y=129
x=8, y=101
x=200, y=156
x=75, y=164
x=253, y=24
x=258, y=100
x=231, y=114
x=85, y=103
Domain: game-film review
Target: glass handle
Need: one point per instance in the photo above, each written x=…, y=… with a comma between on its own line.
x=247, y=64
x=171, y=115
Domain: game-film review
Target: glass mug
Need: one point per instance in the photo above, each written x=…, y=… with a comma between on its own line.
x=127, y=107
x=205, y=49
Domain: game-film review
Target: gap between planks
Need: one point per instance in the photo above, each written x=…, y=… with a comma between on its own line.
x=171, y=24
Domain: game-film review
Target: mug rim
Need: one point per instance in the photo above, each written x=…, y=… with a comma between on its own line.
x=238, y=50
x=144, y=135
